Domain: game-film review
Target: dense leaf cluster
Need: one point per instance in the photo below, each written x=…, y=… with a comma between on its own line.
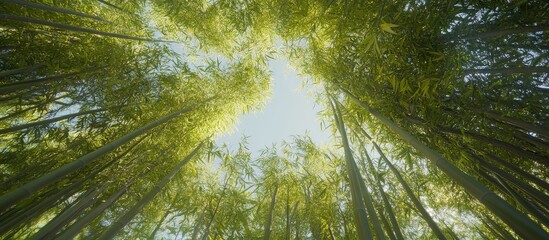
x=109, y=110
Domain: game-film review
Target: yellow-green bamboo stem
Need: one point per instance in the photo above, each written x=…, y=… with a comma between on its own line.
x=128, y=216
x=520, y=223
x=28, y=189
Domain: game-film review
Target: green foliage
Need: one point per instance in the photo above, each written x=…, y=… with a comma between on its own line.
x=111, y=81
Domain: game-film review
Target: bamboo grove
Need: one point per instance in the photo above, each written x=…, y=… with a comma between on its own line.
x=109, y=111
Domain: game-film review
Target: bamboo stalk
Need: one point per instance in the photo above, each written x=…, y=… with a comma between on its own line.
x=535, y=193
x=115, y=7
x=345, y=227
x=432, y=224
x=482, y=235
x=494, y=232
x=206, y=234
x=73, y=187
x=42, y=104
x=514, y=168
x=408, y=190
x=38, y=208
x=526, y=70
x=387, y=225
x=380, y=235
x=198, y=225
x=519, y=123
x=48, y=121
x=368, y=200
x=503, y=232
x=28, y=69
x=388, y=206
x=534, y=156
x=293, y=218
x=16, y=86
x=287, y=227
x=159, y=224
x=26, y=190
x=54, y=9
x=533, y=179
x=163, y=218
x=451, y=232
x=269, y=219
x=520, y=223
x=359, y=209
x=77, y=227
x=331, y=232
x=497, y=33
x=523, y=202
x=536, y=142
x=54, y=225
x=128, y=216
x=76, y=28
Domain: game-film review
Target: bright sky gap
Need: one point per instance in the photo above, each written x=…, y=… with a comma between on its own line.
x=270, y=120
x=289, y=112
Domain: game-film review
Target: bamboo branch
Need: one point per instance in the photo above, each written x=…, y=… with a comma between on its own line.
x=76, y=28
x=54, y=9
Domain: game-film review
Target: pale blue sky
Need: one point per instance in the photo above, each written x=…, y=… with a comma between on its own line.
x=289, y=111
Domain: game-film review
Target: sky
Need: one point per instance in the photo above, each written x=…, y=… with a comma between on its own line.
x=289, y=112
